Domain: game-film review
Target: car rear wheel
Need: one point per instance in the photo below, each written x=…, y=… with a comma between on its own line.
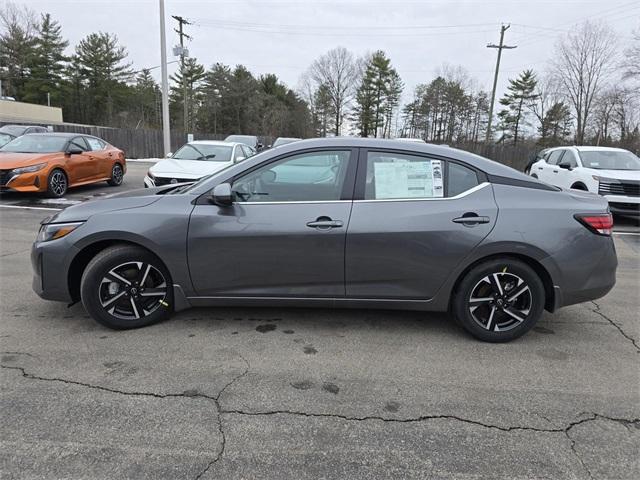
x=499, y=300
x=117, y=175
x=57, y=183
x=126, y=287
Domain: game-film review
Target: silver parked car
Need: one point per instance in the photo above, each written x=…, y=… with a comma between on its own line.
x=341, y=222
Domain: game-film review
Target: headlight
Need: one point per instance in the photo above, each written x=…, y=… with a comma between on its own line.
x=29, y=169
x=53, y=231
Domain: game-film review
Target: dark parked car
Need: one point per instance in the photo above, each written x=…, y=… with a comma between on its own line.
x=341, y=222
x=18, y=130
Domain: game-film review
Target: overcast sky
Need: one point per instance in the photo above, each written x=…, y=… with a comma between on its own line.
x=283, y=37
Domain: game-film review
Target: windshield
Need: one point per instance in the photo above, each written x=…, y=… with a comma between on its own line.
x=610, y=160
x=244, y=139
x=15, y=130
x=35, y=144
x=202, y=151
x=5, y=138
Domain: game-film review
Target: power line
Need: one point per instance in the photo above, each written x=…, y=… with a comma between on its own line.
x=182, y=21
x=500, y=47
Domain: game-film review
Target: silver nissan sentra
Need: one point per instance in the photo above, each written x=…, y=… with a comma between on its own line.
x=343, y=222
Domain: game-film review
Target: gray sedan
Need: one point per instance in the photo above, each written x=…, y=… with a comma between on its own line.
x=341, y=222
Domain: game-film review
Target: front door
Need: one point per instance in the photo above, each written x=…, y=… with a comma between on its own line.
x=414, y=219
x=81, y=167
x=284, y=235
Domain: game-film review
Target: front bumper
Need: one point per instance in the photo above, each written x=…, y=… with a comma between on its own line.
x=25, y=182
x=623, y=204
x=50, y=261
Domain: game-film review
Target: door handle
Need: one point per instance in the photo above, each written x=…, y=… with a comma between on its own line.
x=555, y=171
x=324, y=223
x=540, y=168
x=471, y=220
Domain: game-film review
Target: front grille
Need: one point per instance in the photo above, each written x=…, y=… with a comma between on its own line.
x=159, y=181
x=625, y=206
x=624, y=187
x=5, y=176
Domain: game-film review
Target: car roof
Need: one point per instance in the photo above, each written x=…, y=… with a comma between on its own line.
x=60, y=134
x=588, y=148
x=481, y=163
x=214, y=142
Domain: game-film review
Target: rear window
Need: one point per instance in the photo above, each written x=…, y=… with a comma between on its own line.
x=460, y=179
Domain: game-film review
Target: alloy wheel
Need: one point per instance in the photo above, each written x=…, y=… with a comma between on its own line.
x=58, y=183
x=117, y=174
x=132, y=290
x=500, y=301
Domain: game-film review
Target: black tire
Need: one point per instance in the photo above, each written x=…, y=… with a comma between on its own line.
x=102, y=280
x=484, y=283
x=117, y=175
x=57, y=183
x=534, y=175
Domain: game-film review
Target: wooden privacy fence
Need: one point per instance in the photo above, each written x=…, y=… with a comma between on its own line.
x=137, y=143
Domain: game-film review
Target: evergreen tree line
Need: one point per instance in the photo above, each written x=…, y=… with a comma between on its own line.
x=340, y=93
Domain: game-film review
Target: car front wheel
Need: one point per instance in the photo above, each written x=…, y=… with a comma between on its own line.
x=499, y=300
x=57, y=183
x=126, y=287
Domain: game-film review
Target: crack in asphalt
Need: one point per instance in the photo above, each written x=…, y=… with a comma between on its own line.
x=622, y=332
x=223, y=436
x=591, y=416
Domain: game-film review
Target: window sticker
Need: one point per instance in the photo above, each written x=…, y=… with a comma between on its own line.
x=400, y=178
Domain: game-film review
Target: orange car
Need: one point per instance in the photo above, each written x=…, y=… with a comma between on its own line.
x=53, y=162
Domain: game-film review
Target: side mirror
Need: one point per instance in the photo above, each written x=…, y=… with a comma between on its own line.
x=565, y=165
x=260, y=146
x=222, y=195
x=74, y=151
x=169, y=155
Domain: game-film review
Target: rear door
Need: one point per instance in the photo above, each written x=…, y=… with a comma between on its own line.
x=102, y=157
x=414, y=219
x=284, y=235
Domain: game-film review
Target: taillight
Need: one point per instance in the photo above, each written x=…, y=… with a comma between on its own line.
x=600, y=224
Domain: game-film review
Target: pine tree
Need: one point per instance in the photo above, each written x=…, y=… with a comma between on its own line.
x=556, y=125
x=17, y=48
x=146, y=94
x=194, y=74
x=99, y=63
x=520, y=95
x=47, y=63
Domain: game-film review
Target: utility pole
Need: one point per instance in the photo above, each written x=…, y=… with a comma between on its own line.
x=166, y=136
x=182, y=21
x=503, y=29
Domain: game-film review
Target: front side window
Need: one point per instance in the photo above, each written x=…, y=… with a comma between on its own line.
x=401, y=176
x=78, y=142
x=238, y=154
x=205, y=152
x=313, y=176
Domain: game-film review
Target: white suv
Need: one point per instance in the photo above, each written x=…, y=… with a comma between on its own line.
x=612, y=172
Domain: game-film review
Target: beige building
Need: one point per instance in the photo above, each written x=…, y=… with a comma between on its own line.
x=20, y=112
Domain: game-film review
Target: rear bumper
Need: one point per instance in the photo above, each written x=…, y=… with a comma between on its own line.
x=587, y=279
x=624, y=204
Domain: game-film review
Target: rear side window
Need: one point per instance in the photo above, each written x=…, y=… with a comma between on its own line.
x=95, y=143
x=460, y=179
x=401, y=176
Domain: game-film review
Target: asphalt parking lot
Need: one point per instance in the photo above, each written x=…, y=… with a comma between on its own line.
x=297, y=393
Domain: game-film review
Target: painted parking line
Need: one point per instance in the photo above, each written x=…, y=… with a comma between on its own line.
x=627, y=233
x=31, y=208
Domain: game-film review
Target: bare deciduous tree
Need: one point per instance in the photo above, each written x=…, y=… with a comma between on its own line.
x=631, y=63
x=338, y=71
x=584, y=60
